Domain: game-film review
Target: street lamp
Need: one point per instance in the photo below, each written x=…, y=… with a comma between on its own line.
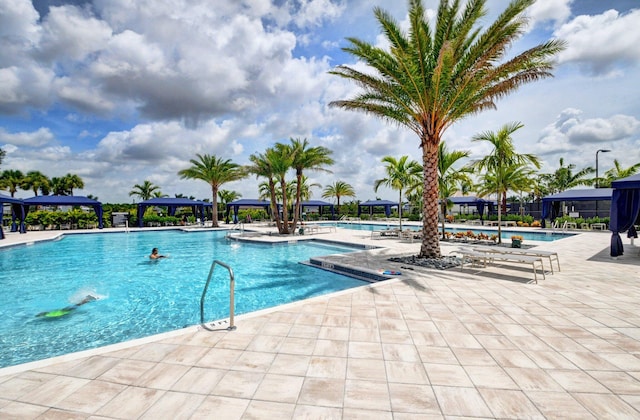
x=603, y=151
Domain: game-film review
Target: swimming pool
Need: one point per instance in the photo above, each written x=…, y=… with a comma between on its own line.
x=506, y=234
x=139, y=297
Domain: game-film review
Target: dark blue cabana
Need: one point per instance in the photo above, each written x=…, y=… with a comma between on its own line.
x=317, y=203
x=550, y=203
x=17, y=213
x=625, y=206
x=247, y=202
x=471, y=200
x=172, y=204
x=66, y=200
x=377, y=203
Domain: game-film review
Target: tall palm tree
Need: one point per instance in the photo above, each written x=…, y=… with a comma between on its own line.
x=72, y=181
x=401, y=174
x=434, y=76
x=273, y=165
x=501, y=163
x=145, y=191
x=618, y=172
x=306, y=158
x=2, y=155
x=36, y=181
x=216, y=172
x=565, y=178
x=11, y=179
x=338, y=190
x=450, y=179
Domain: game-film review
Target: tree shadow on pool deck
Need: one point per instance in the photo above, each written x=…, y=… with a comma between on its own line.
x=631, y=256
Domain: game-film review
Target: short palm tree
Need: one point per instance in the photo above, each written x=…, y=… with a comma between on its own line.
x=564, y=178
x=215, y=171
x=36, y=181
x=338, y=190
x=72, y=181
x=306, y=158
x=225, y=197
x=501, y=164
x=401, y=174
x=145, y=191
x=435, y=75
x=450, y=179
x=618, y=172
x=11, y=179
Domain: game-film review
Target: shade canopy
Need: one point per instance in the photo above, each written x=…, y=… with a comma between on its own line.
x=67, y=200
x=591, y=194
x=625, y=206
x=17, y=213
x=318, y=203
x=171, y=204
x=247, y=202
x=386, y=204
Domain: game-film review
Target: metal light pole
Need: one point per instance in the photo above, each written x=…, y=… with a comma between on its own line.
x=597, y=180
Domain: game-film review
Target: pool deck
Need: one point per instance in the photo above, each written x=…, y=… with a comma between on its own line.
x=429, y=344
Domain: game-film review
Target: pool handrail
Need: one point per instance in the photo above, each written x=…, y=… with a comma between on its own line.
x=231, y=326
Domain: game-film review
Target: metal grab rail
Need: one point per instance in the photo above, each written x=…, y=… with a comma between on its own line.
x=231, y=293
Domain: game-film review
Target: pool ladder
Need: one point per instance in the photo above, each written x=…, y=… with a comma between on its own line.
x=231, y=326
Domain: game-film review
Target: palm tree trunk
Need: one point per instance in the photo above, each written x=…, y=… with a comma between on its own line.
x=430, y=247
x=400, y=210
x=499, y=220
x=214, y=207
x=296, y=211
x=285, y=210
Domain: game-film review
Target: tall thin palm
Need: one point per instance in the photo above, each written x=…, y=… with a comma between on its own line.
x=618, y=172
x=401, y=174
x=215, y=171
x=36, y=181
x=144, y=191
x=434, y=76
x=450, y=179
x=306, y=158
x=338, y=190
x=501, y=162
x=11, y=179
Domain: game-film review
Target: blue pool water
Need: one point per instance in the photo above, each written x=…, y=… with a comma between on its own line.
x=506, y=234
x=139, y=297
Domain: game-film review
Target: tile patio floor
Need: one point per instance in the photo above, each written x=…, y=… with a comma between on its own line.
x=479, y=343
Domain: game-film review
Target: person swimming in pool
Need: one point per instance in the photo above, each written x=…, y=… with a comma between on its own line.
x=67, y=309
x=155, y=255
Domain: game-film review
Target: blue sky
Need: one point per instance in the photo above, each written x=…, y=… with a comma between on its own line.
x=120, y=92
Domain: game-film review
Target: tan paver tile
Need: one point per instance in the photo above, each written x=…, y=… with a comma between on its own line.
x=400, y=352
x=512, y=358
x=186, y=355
x=161, y=376
x=279, y=388
x=199, y=380
x=365, y=350
x=576, y=381
x=311, y=412
x=558, y=405
x=51, y=392
x=327, y=367
x=366, y=369
x=253, y=361
x=290, y=364
x=533, y=379
x=221, y=407
x=490, y=377
x=587, y=360
x=507, y=403
x=413, y=398
x=334, y=348
x=362, y=414
x=23, y=383
x=323, y=392
x=440, y=355
x=153, y=352
x=18, y=410
x=219, y=358
x=370, y=395
x=174, y=405
x=91, y=397
x=238, y=384
x=126, y=372
x=131, y=403
x=606, y=406
x=266, y=343
x=474, y=357
x=550, y=360
x=459, y=401
x=295, y=345
x=619, y=382
x=447, y=375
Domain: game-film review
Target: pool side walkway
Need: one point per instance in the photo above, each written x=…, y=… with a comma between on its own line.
x=429, y=344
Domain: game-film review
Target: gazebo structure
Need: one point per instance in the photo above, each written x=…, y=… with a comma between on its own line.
x=172, y=204
x=17, y=213
x=319, y=204
x=386, y=204
x=625, y=208
x=246, y=202
x=471, y=200
x=66, y=200
x=551, y=203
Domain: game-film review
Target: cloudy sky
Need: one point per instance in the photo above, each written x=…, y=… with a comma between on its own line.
x=121, y=91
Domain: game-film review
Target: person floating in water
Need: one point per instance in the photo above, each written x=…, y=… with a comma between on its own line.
x=155, y=255
x=66, y=310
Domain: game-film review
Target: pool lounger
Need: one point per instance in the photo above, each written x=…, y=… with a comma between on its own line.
x=551, y=255
x=484, y=257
